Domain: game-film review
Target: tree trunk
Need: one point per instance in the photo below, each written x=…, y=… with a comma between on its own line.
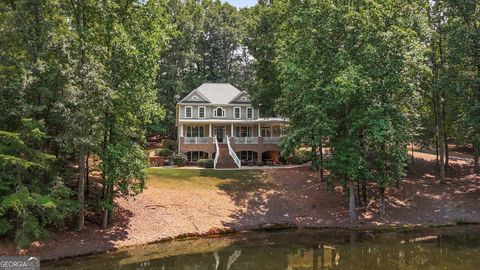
x=105, y=209
x=436, y=46
x=413, y=156
x=441, y=143
x=445, y=141
x=105, y=218
x=476, y=154
x=107, y=212
x=382, y=201
x=314, y=158
x=110, y=199
x=81, y=190
x=87, y=172
x=364, y=194
x=321, y=163
x=351, y=203
x=435, y=116
x=359, y=197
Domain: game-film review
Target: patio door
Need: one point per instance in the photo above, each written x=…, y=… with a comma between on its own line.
x=220, y=133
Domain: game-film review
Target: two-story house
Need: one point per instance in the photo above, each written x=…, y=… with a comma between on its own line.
x=219, y=118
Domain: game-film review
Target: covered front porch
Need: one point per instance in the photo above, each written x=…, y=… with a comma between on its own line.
x=239, y=133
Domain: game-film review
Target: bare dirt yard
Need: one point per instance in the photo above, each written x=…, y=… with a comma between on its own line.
x=190, y=202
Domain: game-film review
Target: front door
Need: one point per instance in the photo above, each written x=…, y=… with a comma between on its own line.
x=220, y=133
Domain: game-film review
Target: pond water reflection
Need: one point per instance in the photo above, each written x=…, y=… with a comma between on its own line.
x=433, y=248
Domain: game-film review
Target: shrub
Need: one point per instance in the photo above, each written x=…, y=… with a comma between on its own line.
x=180, y=159
x=169, y=144
x=205, y=163
x=300, y=156
x=163, y=152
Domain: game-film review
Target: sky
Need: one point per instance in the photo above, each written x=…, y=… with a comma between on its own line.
x=241, y=3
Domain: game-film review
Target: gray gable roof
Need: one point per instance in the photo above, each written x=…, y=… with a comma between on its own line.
x=216, y=93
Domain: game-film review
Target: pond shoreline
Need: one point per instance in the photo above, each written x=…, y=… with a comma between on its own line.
x=183, y=204
x=296, y=248
x=268, y=228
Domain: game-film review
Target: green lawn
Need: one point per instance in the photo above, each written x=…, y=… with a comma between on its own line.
x=240, y=180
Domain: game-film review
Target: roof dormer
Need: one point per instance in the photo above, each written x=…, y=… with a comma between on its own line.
x=195, y=97
x=241, y=98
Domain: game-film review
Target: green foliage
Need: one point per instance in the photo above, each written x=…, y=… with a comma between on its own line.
x=31, y=197
x=169, y=144
x=125, y=164
x=180, y=159
x=299, y=156
x=77, y=78
x=206, y=46
x=349, y=77
x=163, y=152
x=34, y=212
x=205, y=163
x=261, y=25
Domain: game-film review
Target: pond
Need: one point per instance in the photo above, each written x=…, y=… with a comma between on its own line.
x=428, y=248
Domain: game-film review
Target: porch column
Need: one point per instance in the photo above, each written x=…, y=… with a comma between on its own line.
x=181, y=130
x=209, y=130
x=259, y=130
x=231, y=130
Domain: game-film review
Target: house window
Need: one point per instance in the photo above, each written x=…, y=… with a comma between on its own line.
x=194, y=97
x=188, y=112
x=243, y=131
x=201, y=112
x=266, y=132
x=196, y=155
x=195, y=131
x=244, y=98
x=247, y=155
x=250, y=112
x=237, y=112
x=219, y=112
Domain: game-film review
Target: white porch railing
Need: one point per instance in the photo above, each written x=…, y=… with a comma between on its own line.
x=233, y=154
x=271, y=140
x=246, y=140
x=195, y=140
x=217, y=154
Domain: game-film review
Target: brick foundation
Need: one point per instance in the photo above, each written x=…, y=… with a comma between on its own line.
x=260, y=148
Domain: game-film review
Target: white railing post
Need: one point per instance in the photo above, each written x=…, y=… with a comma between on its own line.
x=233, y=154
x=217, y=154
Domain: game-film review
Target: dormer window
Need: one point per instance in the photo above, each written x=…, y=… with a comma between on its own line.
x=219, y=112
x=188, y=112
x=250, y=113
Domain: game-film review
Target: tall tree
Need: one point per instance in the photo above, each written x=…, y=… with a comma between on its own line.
x=206, y=46
x=353, y=69
x=85, y=71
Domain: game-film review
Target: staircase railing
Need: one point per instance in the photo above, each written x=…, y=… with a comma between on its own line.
x=217, y=154
x=233, y=154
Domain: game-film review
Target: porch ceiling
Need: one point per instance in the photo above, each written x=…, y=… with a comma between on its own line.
x=235, y=121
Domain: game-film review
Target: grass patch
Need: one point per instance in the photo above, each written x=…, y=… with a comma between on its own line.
x=206, y=178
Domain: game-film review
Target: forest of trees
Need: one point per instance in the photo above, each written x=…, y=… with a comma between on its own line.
x=366, y=78
x=83, y=79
